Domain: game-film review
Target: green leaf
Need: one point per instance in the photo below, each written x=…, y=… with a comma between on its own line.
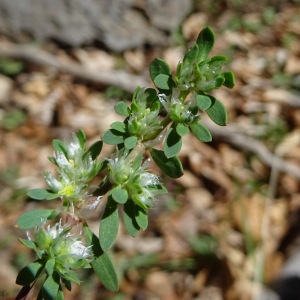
x=229, y=79
x=205, y=42
x=109, y=226
x=49, y=267
x=201, y=132
x=59, y=146
x=203, y=102
x=163, y=82
x=119, y=126
x=60, y=294
x=67, y=283
x=158, y=188
x=130, y=142
x=172, y=166
x=173, y=142
x=122, y=109
x=28, y=243
x=158, y=66
x=38, y=194
x=52, y=196
x=141, y=217
x=92, y=240
x=152, y=96
x=29, y=273
x=51, y=286
x=130, y=222
x=95, y=149
x=181, y=129
x=52, y=159
x=191, y=54
x=217, y=112
x=34, y=218
x=71, y=275
x=137, y=162
x=219, y=81
x=218, y=58
x=82, y=138
x=105, y=270
x=119, y=195
x=102, y=264
x=112, y=137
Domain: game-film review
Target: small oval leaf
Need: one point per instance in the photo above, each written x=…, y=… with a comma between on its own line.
x=29, y=273
x=49, y=267
x=205, y=42
x=229, y=79
x=95, y=149
x=81, y=137
x=182, y=130
x=163, y=82
x=191, y=54
x=34, y=218
x=203, y=102
x=130, y=142
x=122, y=109
x=201, y=132
x=130, y=222
x=38, y=194
x=109, y=226
x=119, y=126
x=112, y=137
x=173, y=142
x=102, y=264
x=119, y=195
x=106, y=272
x=28, y=243
x=217, y=112
x=172, y=166
x=158, y=66
x=141, y=217
x=51, y=286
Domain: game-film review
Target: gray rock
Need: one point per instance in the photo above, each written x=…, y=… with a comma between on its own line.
x=120, y=24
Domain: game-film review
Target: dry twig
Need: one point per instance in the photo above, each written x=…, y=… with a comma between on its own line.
x=231, y=135
x=29, y=53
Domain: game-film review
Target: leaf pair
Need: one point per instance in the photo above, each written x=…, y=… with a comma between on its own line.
x=160, y=74
x=134, y=218
x=213, y=107
x=119, y=135
x=173, y=141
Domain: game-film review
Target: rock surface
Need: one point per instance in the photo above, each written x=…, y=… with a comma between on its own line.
x=119, y=24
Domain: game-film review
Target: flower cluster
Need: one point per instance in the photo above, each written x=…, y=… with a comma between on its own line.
x=203, y=77
x=66, y=251
x=177, y=110
x=128, y=172
x=76, y=169
x=143, y=120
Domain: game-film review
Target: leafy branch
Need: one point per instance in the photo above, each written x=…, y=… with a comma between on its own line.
x=71, y=244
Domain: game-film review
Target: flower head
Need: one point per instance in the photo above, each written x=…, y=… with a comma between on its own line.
x=76, y=169
x=56, y=242
x=143, y=120
x=179, y=111
x=131, y=175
